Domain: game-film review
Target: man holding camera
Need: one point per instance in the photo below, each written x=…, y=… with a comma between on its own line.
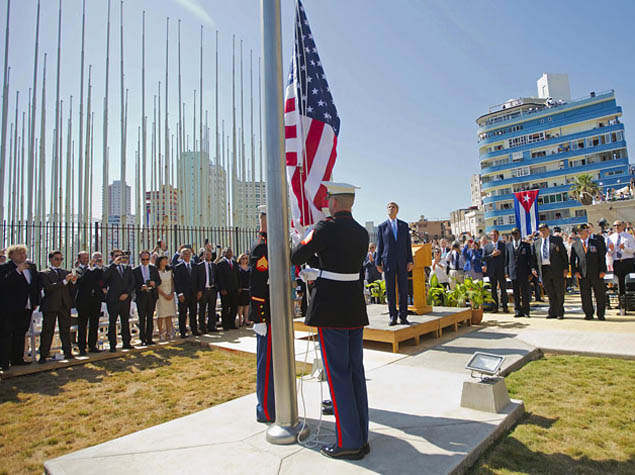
x=57, y=284
x=147, y=281
x=120, y=281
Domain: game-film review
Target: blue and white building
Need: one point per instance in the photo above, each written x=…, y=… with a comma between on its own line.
x=543, y=143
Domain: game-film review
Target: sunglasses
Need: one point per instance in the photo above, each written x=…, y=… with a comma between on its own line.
x=144, y=259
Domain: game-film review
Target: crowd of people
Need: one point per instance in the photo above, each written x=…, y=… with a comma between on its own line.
x=186, y=285
x=547, y=261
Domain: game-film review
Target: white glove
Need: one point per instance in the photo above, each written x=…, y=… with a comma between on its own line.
x=309, y=274
x=295, y=238
x=260, y=328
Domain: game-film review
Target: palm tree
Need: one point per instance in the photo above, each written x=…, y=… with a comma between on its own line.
x=584, y=189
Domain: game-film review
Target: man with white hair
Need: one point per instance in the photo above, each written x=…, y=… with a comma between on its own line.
x=20, y=292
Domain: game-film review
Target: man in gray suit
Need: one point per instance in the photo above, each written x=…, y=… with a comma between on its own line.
x=588, y=264
x=57, y=284
x=552, y=264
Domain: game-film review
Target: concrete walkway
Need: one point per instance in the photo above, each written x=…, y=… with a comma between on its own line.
x=417, y=424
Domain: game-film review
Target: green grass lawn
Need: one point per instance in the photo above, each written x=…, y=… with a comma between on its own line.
x=580, y=419
x=49, y=414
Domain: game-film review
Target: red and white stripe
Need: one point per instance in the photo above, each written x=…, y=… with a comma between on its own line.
x=311, y=150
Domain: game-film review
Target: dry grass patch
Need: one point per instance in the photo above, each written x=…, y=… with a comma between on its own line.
x=49, y=414
x=580, y=419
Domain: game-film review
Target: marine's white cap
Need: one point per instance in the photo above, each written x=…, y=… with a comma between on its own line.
x=334, y=188
x=262, y=209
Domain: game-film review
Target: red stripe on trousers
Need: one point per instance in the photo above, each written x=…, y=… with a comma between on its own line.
x=328, y=376
x=266, y=408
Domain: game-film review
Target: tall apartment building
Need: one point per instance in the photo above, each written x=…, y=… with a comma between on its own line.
x=249, y=195
x=204, y=190
x=475, y=190
x=544, y=143
x=161, y=206
x=115, y=205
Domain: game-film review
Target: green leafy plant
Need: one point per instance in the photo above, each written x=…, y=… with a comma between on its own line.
x=437, y=294
x=458, y=296
x=584, y=189
x=477, y=293
x=377, y=290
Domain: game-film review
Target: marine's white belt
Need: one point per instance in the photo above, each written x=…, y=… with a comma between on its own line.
x=337, y=276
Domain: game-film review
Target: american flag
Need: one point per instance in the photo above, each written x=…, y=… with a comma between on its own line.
x=311, y=128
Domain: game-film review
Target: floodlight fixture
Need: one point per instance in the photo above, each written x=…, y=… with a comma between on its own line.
x=486, y=365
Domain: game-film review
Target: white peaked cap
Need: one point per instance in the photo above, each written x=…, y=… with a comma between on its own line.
x=262, y=209
x=334, y=188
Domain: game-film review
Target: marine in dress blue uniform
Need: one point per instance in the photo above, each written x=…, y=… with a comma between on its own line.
x=260, y=314
x=338, y=309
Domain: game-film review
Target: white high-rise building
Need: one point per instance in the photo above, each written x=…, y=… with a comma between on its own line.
x=206, y=206
x=249, y=195
x=114, y=199
x=475, y=191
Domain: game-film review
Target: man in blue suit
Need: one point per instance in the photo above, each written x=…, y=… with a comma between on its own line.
x=394, y=259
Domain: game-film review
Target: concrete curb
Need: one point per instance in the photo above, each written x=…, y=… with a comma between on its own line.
x=470, y=459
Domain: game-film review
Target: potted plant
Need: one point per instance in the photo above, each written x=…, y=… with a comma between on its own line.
x=437, y=295
x=457, y=297
x=377, y=291
x=478, y=293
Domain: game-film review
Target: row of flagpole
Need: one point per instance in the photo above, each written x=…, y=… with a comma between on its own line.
x=61, y=190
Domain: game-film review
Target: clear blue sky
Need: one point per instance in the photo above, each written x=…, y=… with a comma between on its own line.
x=409, y=78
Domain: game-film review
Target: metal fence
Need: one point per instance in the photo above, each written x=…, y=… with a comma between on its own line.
x=70, y=238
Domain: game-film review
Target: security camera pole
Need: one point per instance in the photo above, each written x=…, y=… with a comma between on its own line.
x=287, y=426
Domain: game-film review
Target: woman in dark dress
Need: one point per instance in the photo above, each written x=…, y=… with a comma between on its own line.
x=243, y=290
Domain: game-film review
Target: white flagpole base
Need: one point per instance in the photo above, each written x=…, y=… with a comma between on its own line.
x=286, y=435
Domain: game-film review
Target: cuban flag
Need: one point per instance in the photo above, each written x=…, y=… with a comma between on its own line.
x=526, y=207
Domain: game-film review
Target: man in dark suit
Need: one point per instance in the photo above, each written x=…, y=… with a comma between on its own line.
x=394, y=259
x=370, y=264
x=146, y=295
x=119, y=279
x=552, y=265
x=57, y=284
x=588, y=264
x=187, y=291
x=227, y=278
x=518, y=265
x=495, y=257
x=20, y=295
x=88, y=299
x=208, y=288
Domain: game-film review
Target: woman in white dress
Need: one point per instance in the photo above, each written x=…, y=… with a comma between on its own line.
x=166, y=306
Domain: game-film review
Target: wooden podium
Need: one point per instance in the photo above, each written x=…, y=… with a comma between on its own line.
x=422, y=255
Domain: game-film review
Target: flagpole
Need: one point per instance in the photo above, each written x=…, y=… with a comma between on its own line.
x=31, y=171
x=105, y=202
x=287, y=426
x=5, y=111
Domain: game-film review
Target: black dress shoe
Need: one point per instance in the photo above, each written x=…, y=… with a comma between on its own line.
x=113, y=350
x=505, y=310
x=561, y=317
x=404, y=321
x=20, y=363
x=518, y=315
x=150, y=342
x=195, y=333
x=42, y=360
x=69, y=357
x=601, y=318
x=335, y=452
x=213, y=330
x=183, y=335
x=588, y=317
x=550, y=316
x=82, y=353
x=128, y=347
x=94, y=350
x=392, y=323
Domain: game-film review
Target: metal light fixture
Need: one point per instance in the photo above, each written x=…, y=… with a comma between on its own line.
x=485, y=365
